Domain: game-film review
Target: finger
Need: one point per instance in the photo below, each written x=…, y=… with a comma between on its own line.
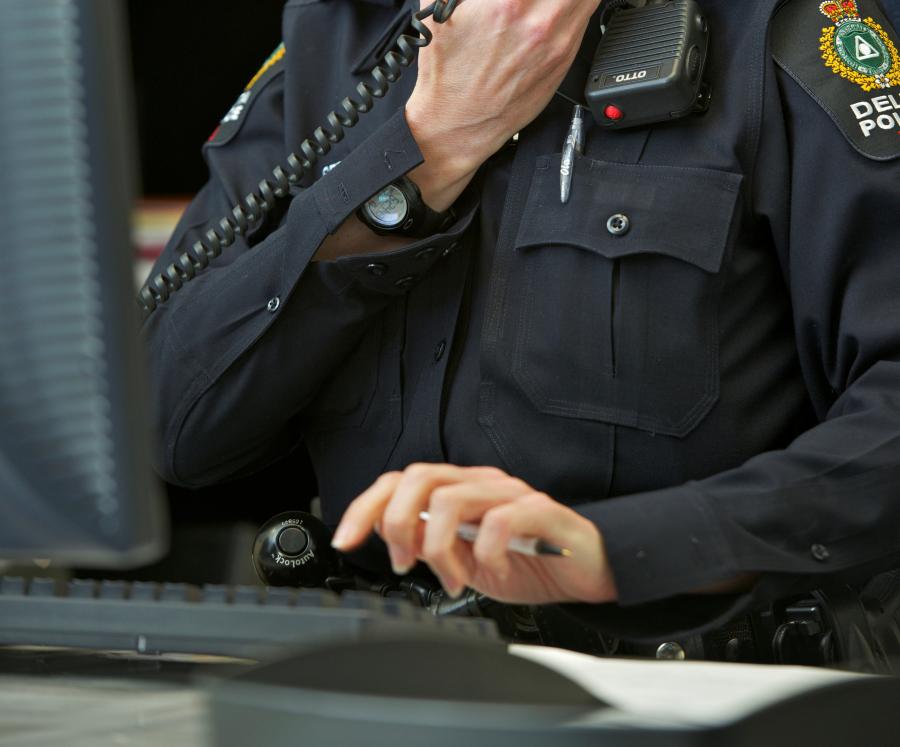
x=448, y=507
x=362, y=514
x=584, y=576
x=401, y=515
x=533, y=515
x=411, y=496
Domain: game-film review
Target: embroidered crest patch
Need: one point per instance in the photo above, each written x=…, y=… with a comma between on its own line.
x=858, y=49
x=851, y=67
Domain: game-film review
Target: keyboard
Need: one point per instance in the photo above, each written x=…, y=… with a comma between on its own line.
x=232, y=621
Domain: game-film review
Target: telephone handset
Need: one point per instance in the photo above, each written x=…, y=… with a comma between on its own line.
x=257, y=203
x=648, y=67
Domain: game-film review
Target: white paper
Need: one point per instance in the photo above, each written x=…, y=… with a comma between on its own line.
x=687, y=692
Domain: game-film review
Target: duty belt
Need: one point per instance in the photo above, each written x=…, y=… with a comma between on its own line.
x=846, y=626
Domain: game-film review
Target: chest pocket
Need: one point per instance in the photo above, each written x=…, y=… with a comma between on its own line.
x=615, y=294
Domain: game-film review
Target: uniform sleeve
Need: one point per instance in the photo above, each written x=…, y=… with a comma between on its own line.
x=238, y=353
x=827, y=507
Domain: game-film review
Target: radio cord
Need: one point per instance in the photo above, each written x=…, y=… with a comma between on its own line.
x=257, y=203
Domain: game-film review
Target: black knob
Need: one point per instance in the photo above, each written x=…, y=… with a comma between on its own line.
x=292, y=541
x=294, y=549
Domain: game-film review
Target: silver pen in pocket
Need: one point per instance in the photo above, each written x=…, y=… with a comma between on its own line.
x=574, y=145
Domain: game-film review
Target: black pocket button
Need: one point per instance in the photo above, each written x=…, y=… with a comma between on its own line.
x=618, y=224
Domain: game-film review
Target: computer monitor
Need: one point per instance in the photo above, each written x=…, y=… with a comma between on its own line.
x=75, y=482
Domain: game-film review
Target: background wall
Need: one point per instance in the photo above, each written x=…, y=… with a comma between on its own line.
x=192, y=58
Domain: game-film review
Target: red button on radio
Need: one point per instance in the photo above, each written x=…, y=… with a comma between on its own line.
x=613, y=112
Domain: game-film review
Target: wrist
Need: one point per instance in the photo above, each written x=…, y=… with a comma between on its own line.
x=601, y=586
x=448, y=167
x=400, y=210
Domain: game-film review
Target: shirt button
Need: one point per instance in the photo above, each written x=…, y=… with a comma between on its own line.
x=618, y=224
x=450, y=249
x=377, y=269
x=439, y=350
x=274, y=304
x=404, y=283
x=820, y=552
x=426, y=253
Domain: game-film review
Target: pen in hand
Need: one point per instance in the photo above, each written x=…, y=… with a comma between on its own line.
x=522, y=545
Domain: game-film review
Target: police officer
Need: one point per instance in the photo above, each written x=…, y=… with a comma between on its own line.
x=689, y=374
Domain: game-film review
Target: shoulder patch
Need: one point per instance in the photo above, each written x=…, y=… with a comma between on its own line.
x=844, y=54
x=233, y=119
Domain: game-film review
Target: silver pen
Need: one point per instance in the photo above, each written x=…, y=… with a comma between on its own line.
x=523, y=545
x=574, y=144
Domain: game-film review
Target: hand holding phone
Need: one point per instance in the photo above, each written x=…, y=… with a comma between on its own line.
x=490, y=70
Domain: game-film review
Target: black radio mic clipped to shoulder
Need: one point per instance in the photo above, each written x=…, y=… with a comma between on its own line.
x=649, y=65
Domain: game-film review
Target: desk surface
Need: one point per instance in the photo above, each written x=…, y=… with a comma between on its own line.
x=40, y=712
x=143, y=711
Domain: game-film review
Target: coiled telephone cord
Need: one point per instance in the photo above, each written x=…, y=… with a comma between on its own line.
x=257, y=203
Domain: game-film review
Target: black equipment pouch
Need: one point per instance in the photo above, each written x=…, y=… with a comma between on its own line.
x=844, y=626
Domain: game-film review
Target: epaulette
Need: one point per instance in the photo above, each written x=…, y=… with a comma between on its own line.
x=231, y=122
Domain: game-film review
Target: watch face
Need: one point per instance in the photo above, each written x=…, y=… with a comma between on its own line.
x=388, y=208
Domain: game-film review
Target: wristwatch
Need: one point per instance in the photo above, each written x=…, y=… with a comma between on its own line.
x=399, y=210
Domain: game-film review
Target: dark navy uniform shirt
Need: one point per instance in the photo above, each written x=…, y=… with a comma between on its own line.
x=718, y=389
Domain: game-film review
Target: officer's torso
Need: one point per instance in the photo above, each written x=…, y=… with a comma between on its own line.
x=587, y=361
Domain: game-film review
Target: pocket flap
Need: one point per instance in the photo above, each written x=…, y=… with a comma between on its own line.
x=683, y=213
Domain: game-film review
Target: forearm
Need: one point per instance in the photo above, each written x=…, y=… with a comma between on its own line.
x=199, y=341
